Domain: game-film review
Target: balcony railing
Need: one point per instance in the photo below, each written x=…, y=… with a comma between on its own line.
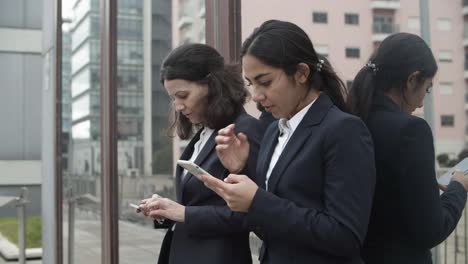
x=385, y=4
x=454, y=250
x=385, y=28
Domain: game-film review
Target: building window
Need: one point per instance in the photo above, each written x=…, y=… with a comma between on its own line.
x=444, y=24
x=320, y=17
x=384, y=25
x=351, y=19
x=353, y=53
x=447, y=120
x=414, y=23
x=445, y=56
x=446, y=88
x=466, y=93
x=322, y=50
x=465, y=29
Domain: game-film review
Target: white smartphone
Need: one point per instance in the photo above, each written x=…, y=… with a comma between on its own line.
x=192, y=168
x=462, y=166
x=140, y=210
x=137, y=207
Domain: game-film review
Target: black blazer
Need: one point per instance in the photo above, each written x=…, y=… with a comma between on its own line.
x=319, y=194
x=211, y=233
x=409, y=216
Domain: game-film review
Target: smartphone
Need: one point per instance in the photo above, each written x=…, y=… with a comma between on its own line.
x=462, y=166
x=139, y=210
x=137, y=207
x=192, y=167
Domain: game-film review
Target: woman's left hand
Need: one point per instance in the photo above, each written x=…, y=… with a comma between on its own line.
x=237, y=190
x=158, y=207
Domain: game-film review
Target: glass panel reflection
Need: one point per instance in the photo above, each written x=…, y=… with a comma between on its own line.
x=146, y=33
x=81, y=133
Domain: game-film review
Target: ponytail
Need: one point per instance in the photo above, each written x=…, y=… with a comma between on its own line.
x=328, y=82
x=361, y=94
x=397, y=57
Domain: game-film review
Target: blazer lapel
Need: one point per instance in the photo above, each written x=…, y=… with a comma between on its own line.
x=206, y=150
x=262, y=164
x=204, y=153
x=179, y=170
x=305, y=129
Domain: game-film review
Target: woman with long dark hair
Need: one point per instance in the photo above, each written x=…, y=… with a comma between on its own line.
x=408, y=216
x=315, y=167
x=207, y=96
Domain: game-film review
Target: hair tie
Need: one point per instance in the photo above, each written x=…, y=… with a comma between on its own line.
x=320, y=65
x=372, y=66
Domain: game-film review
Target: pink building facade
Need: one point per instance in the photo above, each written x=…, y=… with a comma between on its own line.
x=348, y=31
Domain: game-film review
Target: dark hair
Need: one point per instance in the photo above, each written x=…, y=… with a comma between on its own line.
x=284, y=45
x=397, y=57
x=204, y=65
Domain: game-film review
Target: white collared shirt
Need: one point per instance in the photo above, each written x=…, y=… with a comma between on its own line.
x=286, y=129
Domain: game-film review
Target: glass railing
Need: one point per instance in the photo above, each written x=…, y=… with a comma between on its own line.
x=454, y=250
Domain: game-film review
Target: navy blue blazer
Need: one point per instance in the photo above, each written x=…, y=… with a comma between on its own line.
x=409, y=217
x=318, y=202
x=211, y=233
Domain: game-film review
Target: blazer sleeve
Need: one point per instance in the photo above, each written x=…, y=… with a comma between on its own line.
x=340, y=227
x=213, y=220
x=429, y=217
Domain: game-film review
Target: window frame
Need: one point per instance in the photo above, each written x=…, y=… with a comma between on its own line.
x=320, y=17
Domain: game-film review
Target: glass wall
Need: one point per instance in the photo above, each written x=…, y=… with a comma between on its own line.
x=81, y=158
x=146, y=32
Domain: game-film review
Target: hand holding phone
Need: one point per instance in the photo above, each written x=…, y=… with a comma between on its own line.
x=138, y=208
x=461, y=166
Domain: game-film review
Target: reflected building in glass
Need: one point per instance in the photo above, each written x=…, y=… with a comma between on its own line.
x=191, y=21
x=66, y=92
x=189, y=28
x=142, y=105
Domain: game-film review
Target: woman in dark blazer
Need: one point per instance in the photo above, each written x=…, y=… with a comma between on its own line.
x=206, y=96
x=315, y=167
x=409, y=217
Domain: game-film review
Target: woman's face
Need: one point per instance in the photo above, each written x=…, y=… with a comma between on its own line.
x=414, y=95
x=273, y=89
x=189, y=98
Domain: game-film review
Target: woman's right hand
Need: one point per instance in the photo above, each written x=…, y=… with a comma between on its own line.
x=143, y=203
x=460, y=177
x=232, y=149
